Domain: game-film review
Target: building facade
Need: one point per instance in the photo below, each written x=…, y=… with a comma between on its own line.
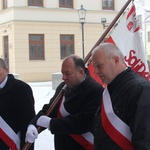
x=37, y=34
x=143, y=13
x=147, y=37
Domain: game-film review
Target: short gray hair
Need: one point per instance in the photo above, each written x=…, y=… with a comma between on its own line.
x=3, y=63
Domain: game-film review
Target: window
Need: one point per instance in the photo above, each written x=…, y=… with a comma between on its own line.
x=108, y=4
x=36, y=47
x=5, y=4
x=149, y=36
x=66, y=45
x=66, y=3
x=35, y=2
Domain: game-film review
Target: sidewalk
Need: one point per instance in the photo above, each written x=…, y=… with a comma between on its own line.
x=42, y=92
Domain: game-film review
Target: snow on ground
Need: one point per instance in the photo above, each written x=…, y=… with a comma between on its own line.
x=42, y=92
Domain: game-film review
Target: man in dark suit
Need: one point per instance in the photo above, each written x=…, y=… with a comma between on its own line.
x=16, y=109
x=71, y=121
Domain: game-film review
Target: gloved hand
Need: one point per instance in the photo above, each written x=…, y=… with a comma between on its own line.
x=43, y=121
x=31, y=134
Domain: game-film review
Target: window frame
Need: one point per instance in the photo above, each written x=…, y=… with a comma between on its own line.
x=36, y=42
x=107, y=5
x=35, y=3
x=65, y=5
x=66, y=42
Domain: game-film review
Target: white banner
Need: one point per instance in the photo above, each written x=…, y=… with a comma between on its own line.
x=126, y=35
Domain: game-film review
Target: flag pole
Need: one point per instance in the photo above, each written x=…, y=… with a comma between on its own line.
x=107, y=30
x=60, y=94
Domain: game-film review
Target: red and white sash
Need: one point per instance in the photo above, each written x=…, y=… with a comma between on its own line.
x=118, y=131
x=10, y=138
x=86, y=139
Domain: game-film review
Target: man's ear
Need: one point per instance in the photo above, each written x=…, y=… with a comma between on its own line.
x=81, y=71
x=7, y=70
x=116, y=59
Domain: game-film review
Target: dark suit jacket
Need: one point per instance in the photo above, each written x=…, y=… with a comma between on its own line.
x=81, y=103
x=16, y=107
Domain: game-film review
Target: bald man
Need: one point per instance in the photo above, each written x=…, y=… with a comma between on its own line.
x=71, y=121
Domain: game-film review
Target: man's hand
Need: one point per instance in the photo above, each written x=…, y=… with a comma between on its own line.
x=31, y=134
x=43, y=121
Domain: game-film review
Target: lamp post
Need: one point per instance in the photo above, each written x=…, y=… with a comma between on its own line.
x=82, y=14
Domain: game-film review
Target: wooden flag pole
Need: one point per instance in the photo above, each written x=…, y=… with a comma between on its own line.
x=107, y=30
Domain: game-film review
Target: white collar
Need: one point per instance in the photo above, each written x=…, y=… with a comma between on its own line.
x=4, y=82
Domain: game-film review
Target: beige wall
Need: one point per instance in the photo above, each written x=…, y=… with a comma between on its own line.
x=33, y=70
x=19, y=21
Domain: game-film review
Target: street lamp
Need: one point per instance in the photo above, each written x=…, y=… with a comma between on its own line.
x=82, y=14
